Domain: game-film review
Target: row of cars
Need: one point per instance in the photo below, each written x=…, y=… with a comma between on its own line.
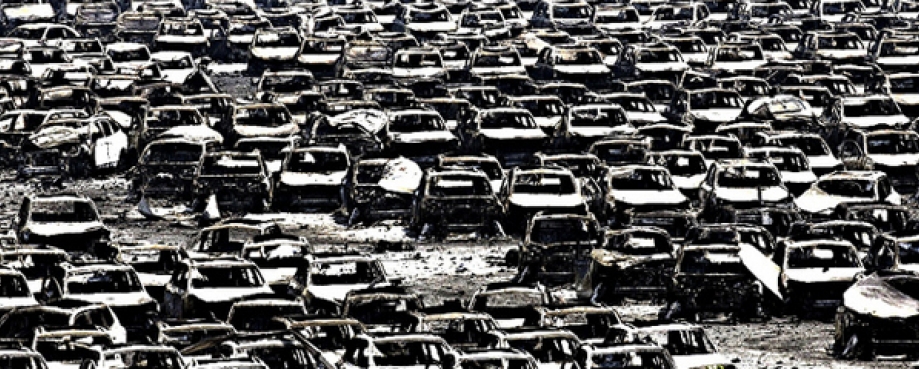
x=245, y=294
x=726, y=269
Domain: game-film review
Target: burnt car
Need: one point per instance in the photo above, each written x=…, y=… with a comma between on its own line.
x=381, y=308
x=69, y=221
x=167, y=168
x=677, y=223
x=324, y=282
x=209, y=288
x=635, y=262
x=16, y=294
x=312, y=177
x=236, y=181
x=508, y=303
x=510, y=134
x=456, y=200
x=273, y=48
x=877, y=317
x=368, y=200
x=356, y=127
x=556, y=248
x=528, y=191
x=814, y=274
x=427, y=350
x=420, y=135
x=183, y=334
x=260, y=120
x=277, y=254
x=688, y=344
x=116, y=285
x=75, y=148
x=713, y=279
x=15, y=128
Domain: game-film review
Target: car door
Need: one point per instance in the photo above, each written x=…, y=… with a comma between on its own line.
x=99, y=143
x=176, y=290
x=708, y=184
x=120, y=142
x=853, y=157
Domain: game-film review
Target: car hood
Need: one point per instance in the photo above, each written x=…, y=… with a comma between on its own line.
x=335, y=292
x=59, y=229
x=601, y=131
x=906, y=98
x=582, y=69
x=898, y=60
x=650, y=117
x=713, y=360
x=178, y=76
x=717, y=115
x=17, y=302
x=55, y=136
x=816, y=201
x=688, y=182
x=799, y=177
x=240, y=39
x=488, y=71
x=277, y=275
x=820, y=275
x=823, y=161
x=541, y=200
x=840, y=54
x=228, y=294
x=879, y=120
x=417, y=72
x=875, y=297
x=275, y=53
x=739, y=65
x=642, y=197
x=285, y=130
x=196, y=133
x=318, y=58
x=421, y=137
x=114, y=299
x=173, y=39
x=153, y=279
x=662, y=67
x=432, y=27
x=30, y=11
x=772, y=193
x=895, y=160
x=513, y=133
x=307, y=179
